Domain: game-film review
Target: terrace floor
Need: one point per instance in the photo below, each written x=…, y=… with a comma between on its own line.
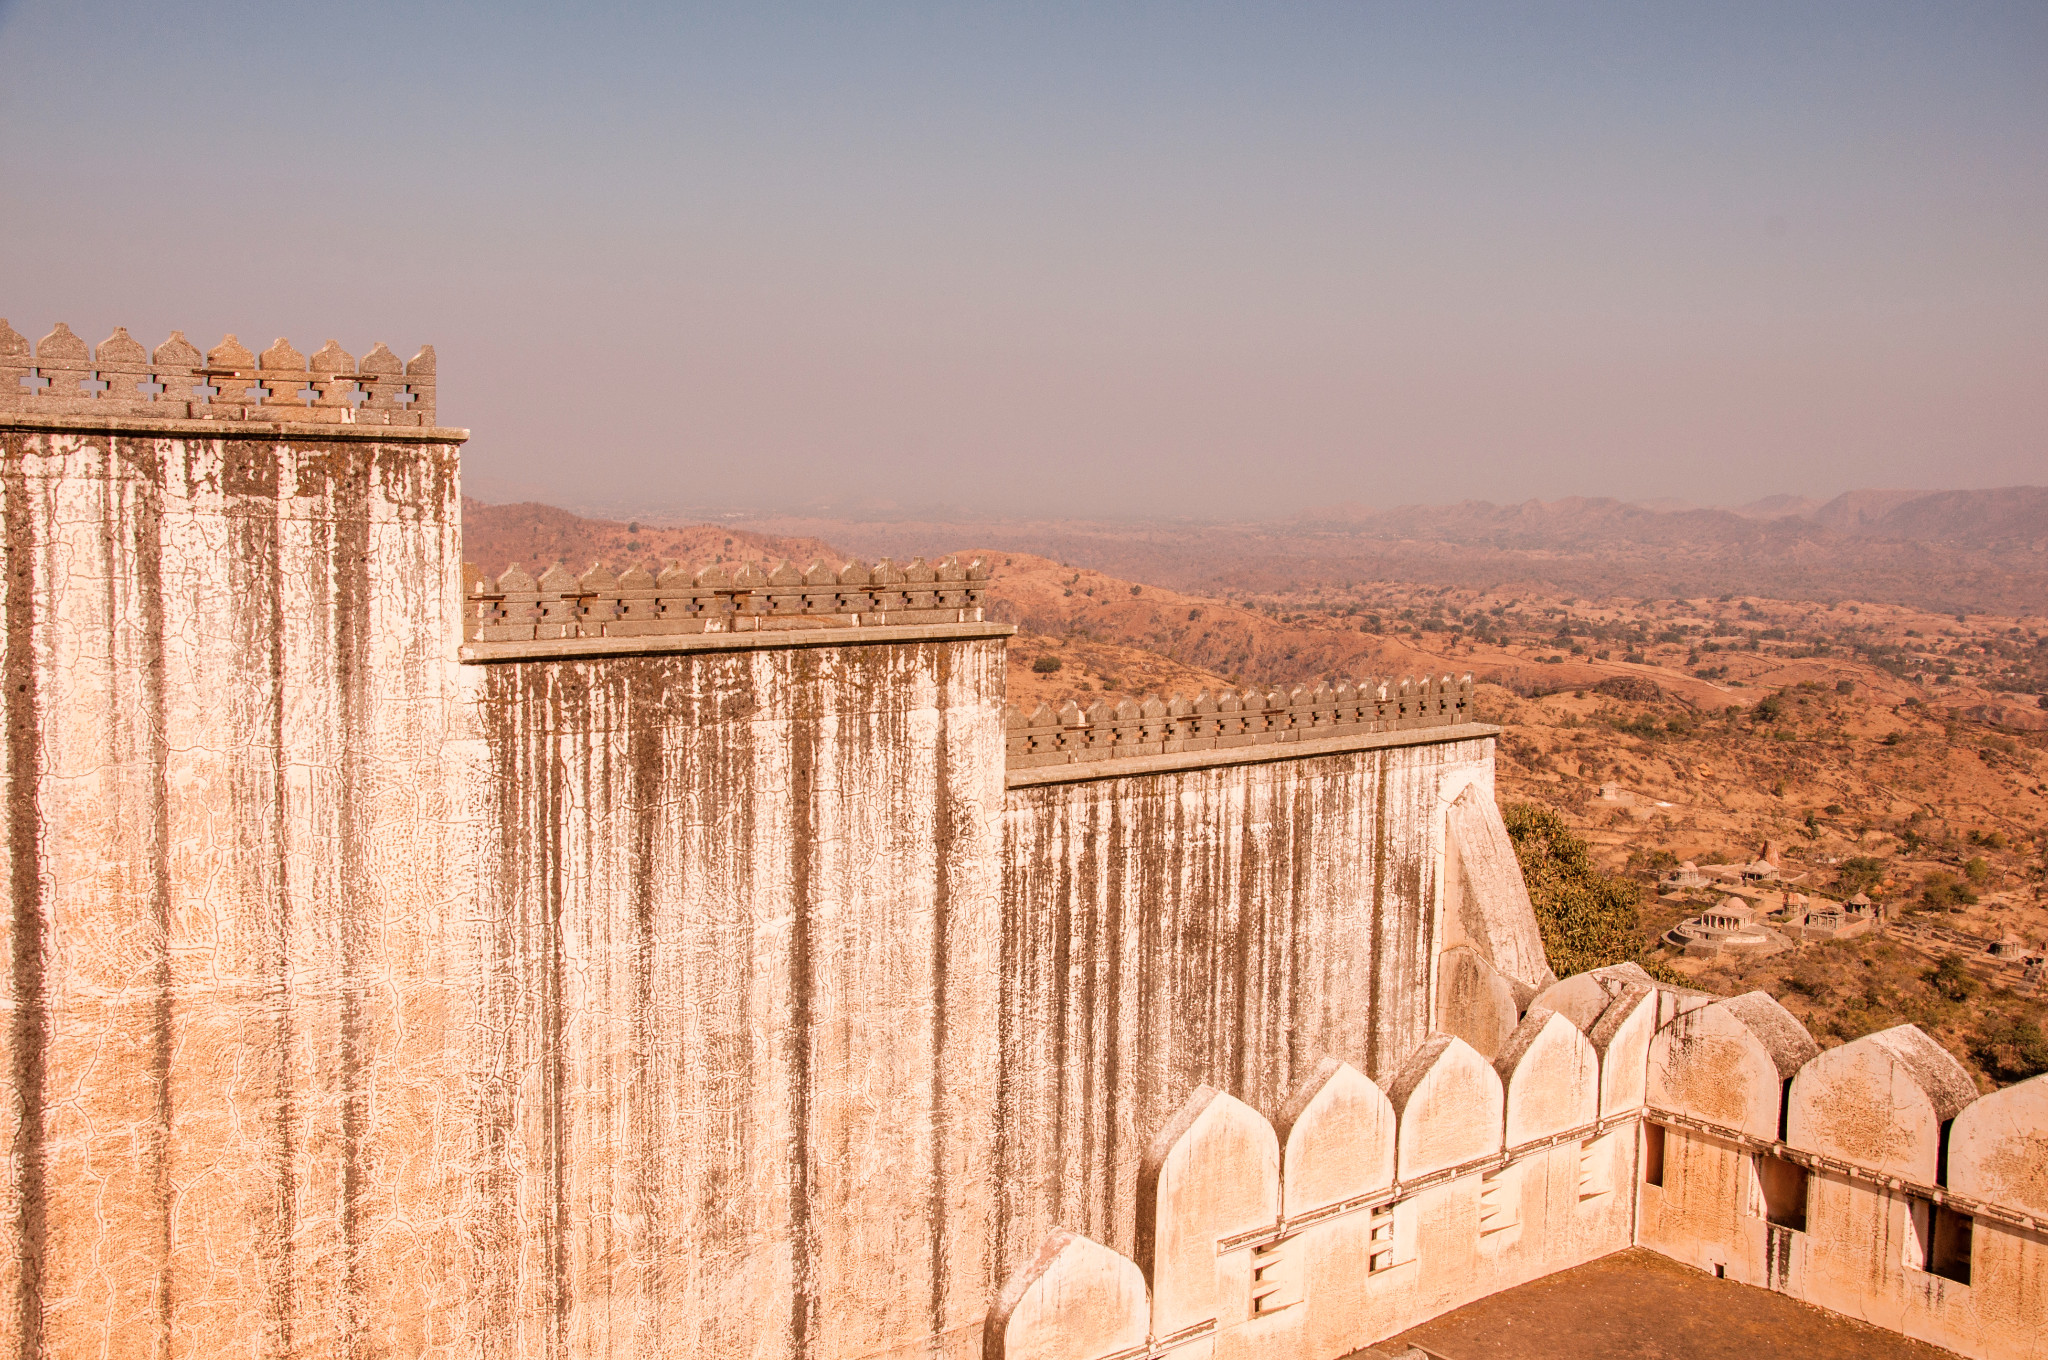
x=1637, y=1305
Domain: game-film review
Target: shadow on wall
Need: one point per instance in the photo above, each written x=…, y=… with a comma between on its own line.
x=1869, y=1179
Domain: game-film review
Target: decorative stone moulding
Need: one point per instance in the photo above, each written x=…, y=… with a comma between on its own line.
x=1249, y=717
x=61, y=376
x=732, y=597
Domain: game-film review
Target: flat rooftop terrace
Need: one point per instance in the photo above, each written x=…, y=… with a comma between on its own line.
x=1637, y=1305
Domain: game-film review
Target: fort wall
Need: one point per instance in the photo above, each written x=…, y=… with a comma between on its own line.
x=237, y=907
x=737, y=973
x=404, y=961
x=408, y=960
x=1227, y=925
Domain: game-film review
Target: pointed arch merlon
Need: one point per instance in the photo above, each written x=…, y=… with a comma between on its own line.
x=1337, y=1139
x=1449, y=1106
x=1727, y=1062
x=1620, y=1036
x=1582, y=997
x=1075, y=1300
x=1998, y=1148
x=1880, y=1103
x=1550, y=1077
x=1213, y=1173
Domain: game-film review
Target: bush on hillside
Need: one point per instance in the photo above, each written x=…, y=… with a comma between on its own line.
x=1941, y=890
x=1634, y=688
x=1951, y=977
x=1588, y=918
x=1861, y=874
x=2010, y=1047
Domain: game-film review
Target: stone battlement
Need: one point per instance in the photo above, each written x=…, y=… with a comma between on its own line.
x=1870, y=1178
x=730, y=597
x=1248, y=717
x=62, y=376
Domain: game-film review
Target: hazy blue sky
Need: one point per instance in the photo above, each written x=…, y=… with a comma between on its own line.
x=1087, y=259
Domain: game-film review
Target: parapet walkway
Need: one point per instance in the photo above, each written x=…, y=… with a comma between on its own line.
x=1638, y=1305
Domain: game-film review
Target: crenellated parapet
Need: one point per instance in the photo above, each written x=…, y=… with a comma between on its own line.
x=1892, y=1112
x=1361, y=1208
x=1233, y=718
x=60, y=375
x=726, y=597
x=1870, y=1178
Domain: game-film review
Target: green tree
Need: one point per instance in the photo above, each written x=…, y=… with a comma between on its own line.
x=1952, y=978
x=1588, y=918
x=1860, y=874
x=1941, y=889
x=2010, y=1047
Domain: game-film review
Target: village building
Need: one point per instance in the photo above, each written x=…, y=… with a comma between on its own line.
x=1730, y=924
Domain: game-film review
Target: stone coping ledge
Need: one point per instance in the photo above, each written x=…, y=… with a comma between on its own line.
x=594, y=649
x=1264, y=753
x=235, y=429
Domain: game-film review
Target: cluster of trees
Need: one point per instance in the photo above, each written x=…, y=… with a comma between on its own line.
x=1588, y=918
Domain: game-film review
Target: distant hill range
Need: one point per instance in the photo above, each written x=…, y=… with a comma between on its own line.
x=1975, y=551
x=535, y=536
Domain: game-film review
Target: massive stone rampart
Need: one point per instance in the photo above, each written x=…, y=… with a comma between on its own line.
x=604, y=962
x=233, y=1092
x=738, y=931
x=1174, y=922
